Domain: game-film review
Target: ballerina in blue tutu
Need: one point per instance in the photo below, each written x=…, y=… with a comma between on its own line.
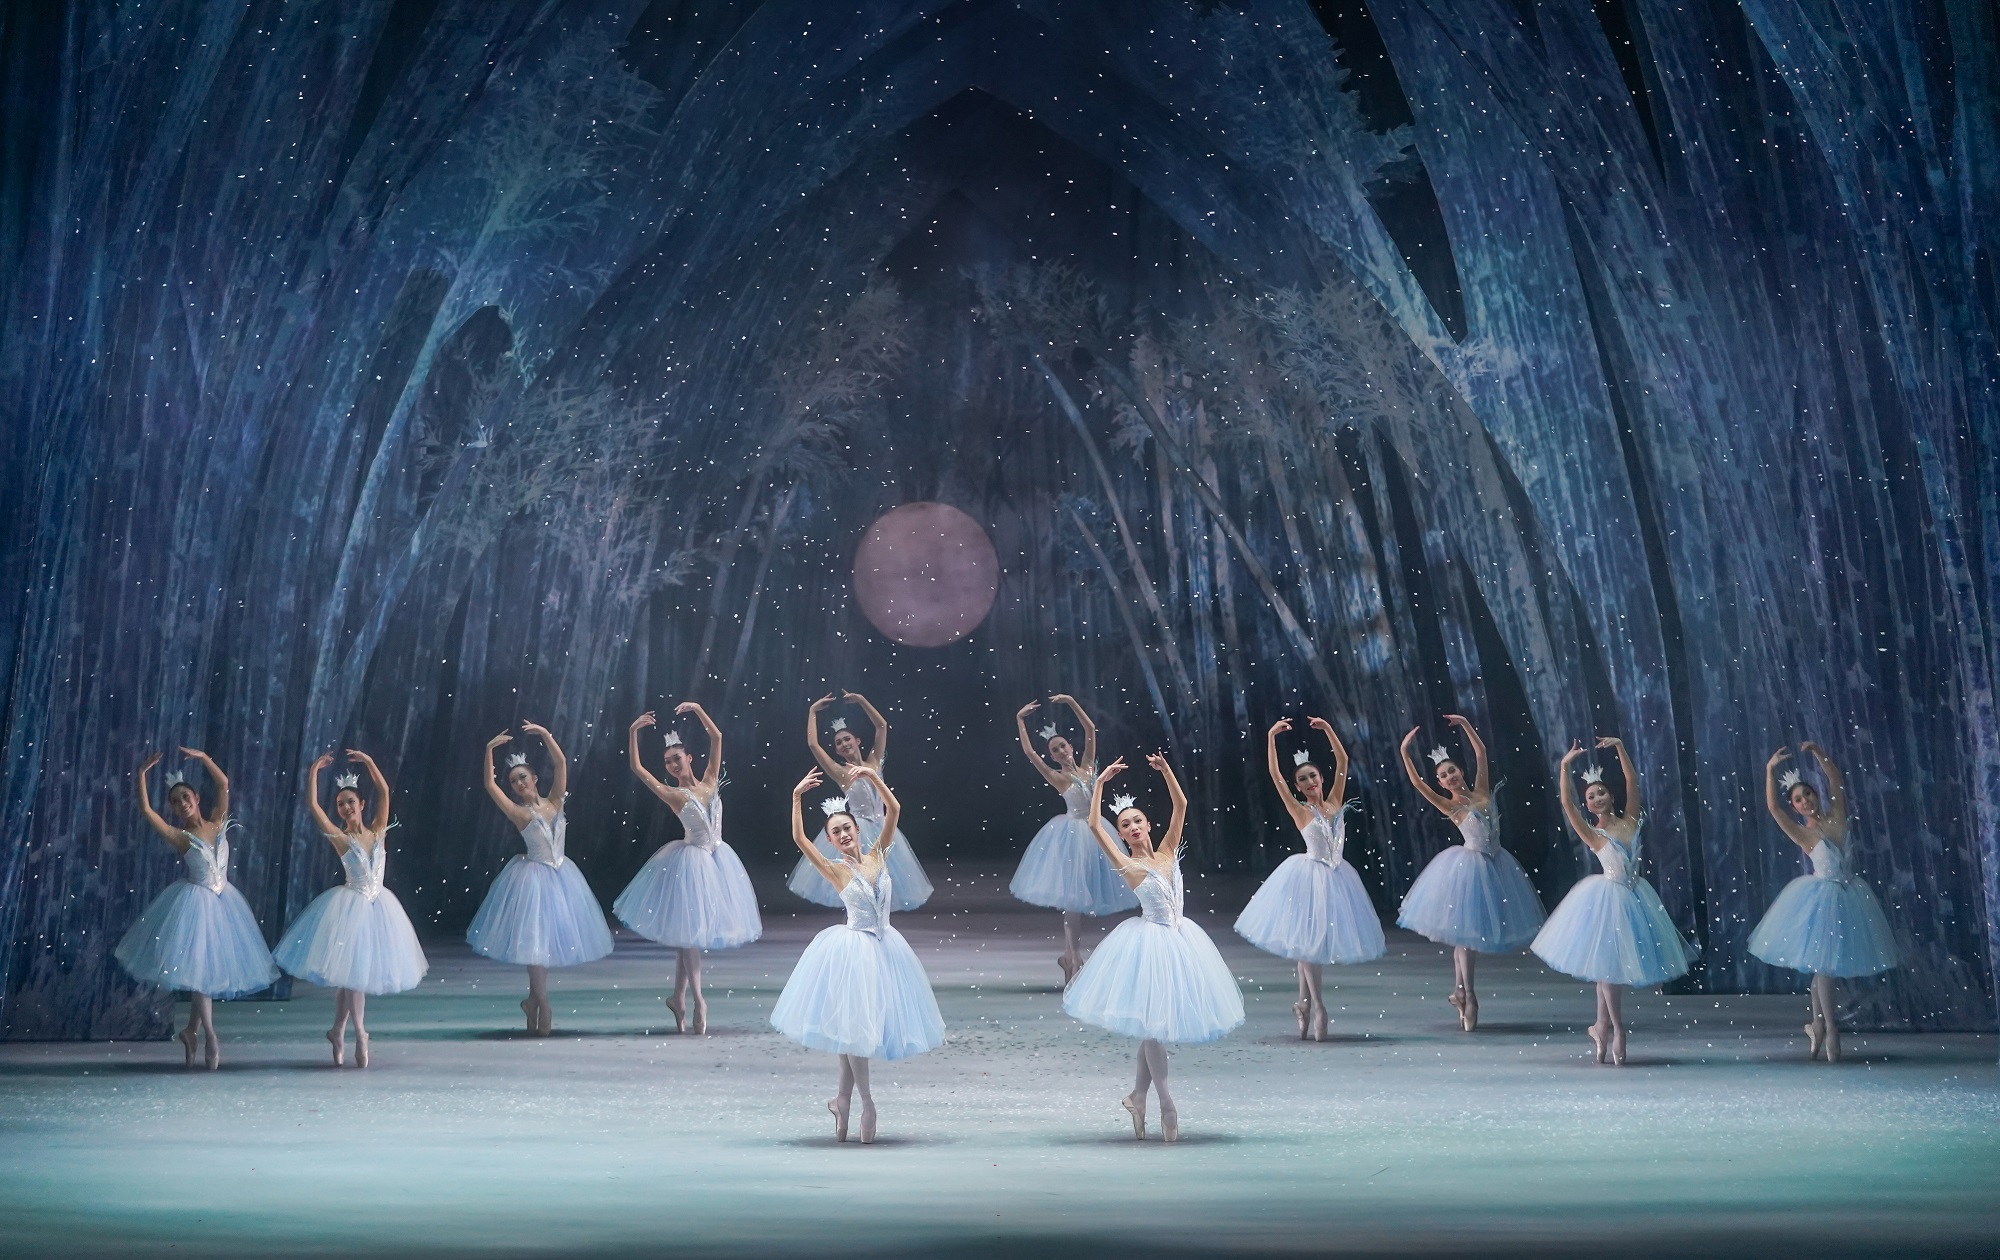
x=540, y=912
x=1472, y=896
x=1827, y=923
x=353, y=938
x=1313, y=908
x=199, y=935
x=858, y=991
x=1157, y=977
x=913, y=887
x=1063, y=867
x=1611, y=929
x=693, y=894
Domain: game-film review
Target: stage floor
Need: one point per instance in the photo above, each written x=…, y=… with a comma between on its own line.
x=615, y=1137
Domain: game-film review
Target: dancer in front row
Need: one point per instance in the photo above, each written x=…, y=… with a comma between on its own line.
x=693, y=894
x=1611, y=929
x=1313, y=909
x=353, y=938
x=1827, y=923
x=540, y=912
x=1063, y=867
x=858, y=991
x=198, y=936
x=913, y=887
x=1473, y=896
x=1157, y=977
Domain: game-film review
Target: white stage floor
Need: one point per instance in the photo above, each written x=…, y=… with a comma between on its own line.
x=616, y=1137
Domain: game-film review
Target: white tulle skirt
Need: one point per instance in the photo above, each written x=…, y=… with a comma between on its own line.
x=689, y=897
x=1608, y=931
x=1470, y=900
x=911, y=886
x=191, y=939
x=1155, y=981
x=345, y=941
x=853, y=992
x=1066, y=870
x=1311, y=912
x=1827, y=928
x=537, y=915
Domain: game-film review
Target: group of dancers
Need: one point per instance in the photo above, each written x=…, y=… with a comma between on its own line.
x=860, y=992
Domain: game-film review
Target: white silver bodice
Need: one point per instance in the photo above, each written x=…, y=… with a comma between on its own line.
x=545, y=839
x=864, y=802
x=363, y=867
x=207, y=865
x=1161, y=897
x=867, y=904
x=703, y=823
x=1829, y=859
x=1326, y=839
x=1478, y=828
x=1619, y=858
x=1077, y=795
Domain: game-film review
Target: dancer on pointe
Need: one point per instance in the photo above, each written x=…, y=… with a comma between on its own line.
x=1611, y=929
x=1063, y=867
x=692, y=894
x=540, y=912
x=913, y=887
x=198, y=936
x=858, y=991
x=1472, y=896
x=1157, y=977
x=1313, y=909
x=1828, y=923
x=354, y=938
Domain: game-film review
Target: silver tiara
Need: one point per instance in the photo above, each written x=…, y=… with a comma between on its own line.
x=1593, y=774
x=840, y=724
x=176, y=779
x=346, y=781
x=1301, y=757
x=674, y=739
x=1049, y=731
x=517, y=759
x=1438, y=755
x=833, y=805
x=1119, y=804
x=1789, y=780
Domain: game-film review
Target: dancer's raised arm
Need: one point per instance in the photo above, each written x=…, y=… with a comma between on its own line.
x=327, y=827
x=1035, y=758
x=381, y=822
x=879, y=750
x=516, y=812
x=1120, y=860
x=1089, y=759
x=673, y=796
x=1441, y=803
x=221, y=781
x=836, y=873
x=833, y=768
x=1634, y=803
x=558, y=765
x=1571, y=810
x=712, y=776
x=1836, y=784
x=1170, y=844
x=1300, y=812
x=892, y=809
x=1482, y=784
x=1781, y=813
x=1336, y=793
x=168, y=832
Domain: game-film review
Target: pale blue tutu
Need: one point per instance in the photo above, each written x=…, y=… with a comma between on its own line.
x=690, y=897
x=1162, y=982
x=537, y=915
x=854, y=992
x=1608, y=931
x=1313, y=911
x=1826, y=927
x=1065, y=869
x=345, y=940
x=199, y=941
x=1473, y=900
x=906, y=874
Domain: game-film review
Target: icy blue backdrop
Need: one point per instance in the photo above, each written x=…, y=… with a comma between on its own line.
x=386, y=370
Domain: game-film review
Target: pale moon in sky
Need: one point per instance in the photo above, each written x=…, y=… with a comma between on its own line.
x=926, y=574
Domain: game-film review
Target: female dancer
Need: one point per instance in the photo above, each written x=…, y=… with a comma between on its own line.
x=693, y=894
x=1313, y=909
x=198, y=935
x=1611, y=929
x=913, y=887
x=858, y=991
x=1157, y=977
x=1063, y=866
x=1472, y=896
x=540, y=912
x=354, y=938
x=1827, y=923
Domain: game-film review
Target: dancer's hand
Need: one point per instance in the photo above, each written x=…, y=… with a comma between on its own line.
x=533, y=728
x=1575, y=751
x=812, y=780
x=1113, y=770
x=1458, y=721
x=852, y=697
x=320, y=763
x=1027, y=708
x=1282, y=724
x=151, y=761
x=356, y=755
x=1060, y=698
x=1778, y=756
x=1805, y=746
x=1411, y=738
x=198, y=755
x=644, y=720
x=687, y=706
x=863, y=770
x=1321, y=725
x=822, y=702
x=1159, y=763
x=502, y=738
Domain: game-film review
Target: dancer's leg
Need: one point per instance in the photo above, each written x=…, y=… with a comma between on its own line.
x=1313, y=977
x=203, y=1015
x=1135, y=1102
x=1156, y=1062
x=1614, y=1004
x=1471, y=992
x=338, y=1033
x=842, y=1096
x=1302, y=1009
x=1600, y=1028
x=1071, y=961
x=188, y=1036
x=691, y=968
x=1829, y=1023
x=540, y=1017
x=860, y=1066
x=1462, y=995
x=357, y=1005
x=678, y=1002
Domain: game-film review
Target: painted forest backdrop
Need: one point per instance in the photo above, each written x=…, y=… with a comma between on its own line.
x=382, y=372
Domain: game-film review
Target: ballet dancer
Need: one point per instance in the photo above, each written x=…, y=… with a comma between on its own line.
x=858, y=991
x=540, y=912
x=1063, y=867
x=1610, y=929
x=692, y=894
x=913, y=887
x=354, y=938
x=1828, y=923
x=1473, y=896
x=198, y=936
x=1157, y=977
x=1313, y=909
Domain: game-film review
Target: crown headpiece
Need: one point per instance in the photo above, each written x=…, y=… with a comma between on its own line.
x=1301, y=757
x=176, y=779
x=1789, y=780
x=1439, y=755
x=674, y=739
x=346, y=781
x=840, y=724
x=1119, y=804
x=1049, y=731
x=833, y=805
x=516, y=759
x=1593, y=774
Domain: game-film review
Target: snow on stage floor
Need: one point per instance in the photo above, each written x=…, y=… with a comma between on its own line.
x=615, y=1137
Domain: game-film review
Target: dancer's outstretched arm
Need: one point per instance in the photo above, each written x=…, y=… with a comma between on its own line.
x=517, y=813
x=834, y=770
x=1089, y=761
x=168, y=832
x=221, y=781
x=1634, y=801
x=558, y=765
x=1836, y=784
x=1301, y=813
x=673, y=796
x=1121, y=861
x=1482, y=784
x=1170, y=844
x=835, y=873
x=892, y=809
x=712, y=776
x=1439, y=802
x=1571, y=810
x=381, y=823
x=1035, y=758
x=1336, y=792
x=327, y=827
x=1781, y=812
x=878, y=753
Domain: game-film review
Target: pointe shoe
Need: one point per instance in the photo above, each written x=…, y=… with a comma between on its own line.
x=186, y=1037
x=680, y=1015
x=360, y=1048
x=1319, y=1021
x=1468, y=1017
x=700, y=1021
x=1170, y=1125
x=1299, y=1010
x=839, y=1110
x=545, y=1022
x=1618, y=1046
x=528, y=1009
x=1136, y=1110
x=339, y=1049
x=1814, y=1038
x=1597, y=1039
x=1069, y=968
x=1830, y=1044
x=867, y=1123
x=211, y=1052
x=1458, y=999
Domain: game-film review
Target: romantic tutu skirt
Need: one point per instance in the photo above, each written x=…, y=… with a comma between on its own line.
x=689, y=897
x=1605, y=930
x=1155, y=981
x=1066, y=870
x=1311, y=912
x=906, y=874
x=854, y=992
x=1826, y=927
x=199, y=941
x=1479, y=901
x=537, y=915
x=345, y=941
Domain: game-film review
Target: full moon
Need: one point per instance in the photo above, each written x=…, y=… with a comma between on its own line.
x=926, y=574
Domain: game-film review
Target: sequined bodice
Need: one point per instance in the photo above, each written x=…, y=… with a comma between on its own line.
x=363, y=867
x=1478, y=830
x=864, y=802
x=208, y=865
x=1619, y=858
x=1161, y=897
x=867, y=904
x=703, y=823
x=1077, y=795
x=1829, y=859
x=545, y=839
x=1326, y=839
